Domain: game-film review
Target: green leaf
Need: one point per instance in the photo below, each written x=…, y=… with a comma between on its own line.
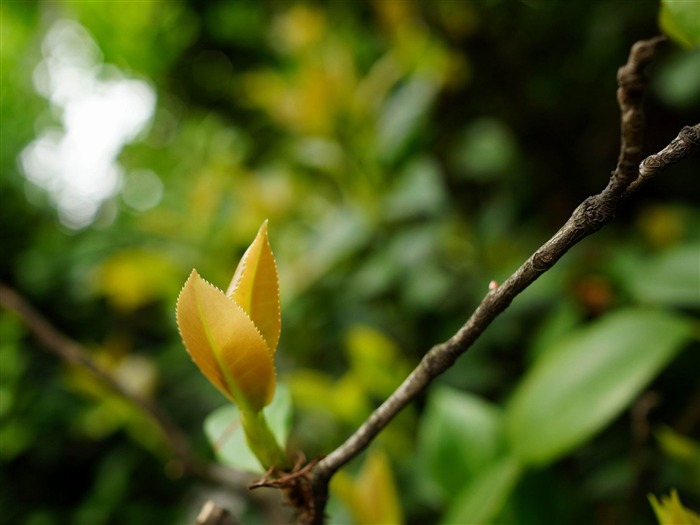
x=671, y=278
x=402, y=115
x=486, y=152
x=555, y=325
x=224, y=430
x=481, y=500
x=677, y=80
x=583, y=383
x=459, y=435
x=680, y=20
x=418, y=191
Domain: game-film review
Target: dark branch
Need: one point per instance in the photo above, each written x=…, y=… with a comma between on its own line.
x=632, y=82
x=684, y=145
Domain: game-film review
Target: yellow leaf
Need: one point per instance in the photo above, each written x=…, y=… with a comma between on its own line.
x=670, y=511
x=371, y=497
x=225, y=344
x=132, y=278
x=255, y=288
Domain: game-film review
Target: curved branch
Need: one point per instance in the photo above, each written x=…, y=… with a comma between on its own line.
x=632, y=82
x=589, y=217
x=73, y=352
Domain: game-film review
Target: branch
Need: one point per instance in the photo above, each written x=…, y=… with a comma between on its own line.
x=684, y=145
x=74, y=353
x=589, y=217
x=212, y=514
x=632, y=82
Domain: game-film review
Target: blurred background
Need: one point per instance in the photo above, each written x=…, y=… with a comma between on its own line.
x=405, y=153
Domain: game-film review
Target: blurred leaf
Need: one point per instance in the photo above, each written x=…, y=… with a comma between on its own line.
x=341, y=233
x=680, y=20
x=670, y=511
x=482, y=499
x=310, y=388
x=125, y=30
x=486, y=151
x=563, y=319
x=300, y=28
x=683, y=452
x=14, y=361
x=225, y=433
x=678, y=446
x=459, y=435
x=16, y=437
x=375, y=360
x=238, y=22
x=582, y=384
x=418, y=191
x=678, y=80
x=671, y=278
x=403, y=113
x=135, y=277
x=371, y=497
x=349, y=399
x=344, y=398
x=111, y=486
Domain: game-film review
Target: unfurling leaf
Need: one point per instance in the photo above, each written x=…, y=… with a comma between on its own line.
x=233, y=337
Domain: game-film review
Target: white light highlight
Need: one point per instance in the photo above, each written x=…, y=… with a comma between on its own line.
x=100, y=110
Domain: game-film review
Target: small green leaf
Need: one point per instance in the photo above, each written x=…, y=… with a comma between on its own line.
x=224, y=430
x=459, y=435
x=580, y=385
x=481, y=500
x=680, y=20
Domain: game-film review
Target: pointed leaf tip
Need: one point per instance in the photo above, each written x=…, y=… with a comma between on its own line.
x=255, y=288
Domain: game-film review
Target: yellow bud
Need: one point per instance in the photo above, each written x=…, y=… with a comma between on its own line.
x=232, y=337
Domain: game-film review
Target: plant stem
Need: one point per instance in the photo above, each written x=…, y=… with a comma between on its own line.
x=262, y=441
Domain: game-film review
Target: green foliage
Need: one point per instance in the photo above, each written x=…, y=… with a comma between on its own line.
x=482, y=499
x=669, y=278
x=680, y=19
x=583, y=382
x=473, y=454
x=460, y=435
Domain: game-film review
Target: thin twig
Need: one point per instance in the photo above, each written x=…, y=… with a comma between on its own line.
x=589, y=217
x=684, y=145
x=73, y=352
